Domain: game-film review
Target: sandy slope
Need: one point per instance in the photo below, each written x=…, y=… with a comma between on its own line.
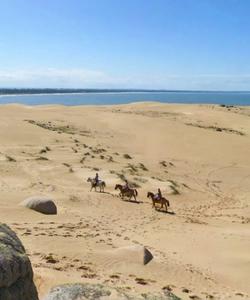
x=203, y=151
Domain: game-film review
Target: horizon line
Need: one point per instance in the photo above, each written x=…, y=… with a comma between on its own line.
x=82, y=90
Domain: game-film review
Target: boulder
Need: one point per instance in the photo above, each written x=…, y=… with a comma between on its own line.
x=133, y=254
x=41, y=204
x=99, y=292
x=16, y=275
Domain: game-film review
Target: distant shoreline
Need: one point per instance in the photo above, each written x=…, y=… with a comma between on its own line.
x=33, y=92
x=106, y=97
x=83, y=93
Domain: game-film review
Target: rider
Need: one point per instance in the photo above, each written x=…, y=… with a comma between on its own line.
x=158, y=196
x=126, y=186
x=96, y=178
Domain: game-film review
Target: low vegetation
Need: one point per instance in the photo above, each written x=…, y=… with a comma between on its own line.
x=42, y=158
x=127, y=156
x=216, y=128
x=9, y=158
x=68, y=129
x=142, y=167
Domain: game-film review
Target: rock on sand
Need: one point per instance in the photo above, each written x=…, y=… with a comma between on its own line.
x=99, y=292
x=133, y=254
x=16, y=275
x=41, y=204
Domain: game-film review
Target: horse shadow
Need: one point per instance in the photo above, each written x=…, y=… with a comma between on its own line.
x=108, y=193
x=132, y=201
x=103, y=192
x=165, y=212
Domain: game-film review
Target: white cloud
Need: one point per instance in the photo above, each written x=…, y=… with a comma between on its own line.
x=84, y=78
x=51, y=77
x=195, y=82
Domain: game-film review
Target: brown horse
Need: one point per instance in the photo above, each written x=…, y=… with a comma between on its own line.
x=162, y=201
x=126, y=192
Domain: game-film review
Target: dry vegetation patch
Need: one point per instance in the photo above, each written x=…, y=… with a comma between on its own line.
x=216, y=128
x=59, y=128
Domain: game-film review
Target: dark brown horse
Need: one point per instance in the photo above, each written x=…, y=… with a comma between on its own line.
x=127, y=192
x=162, y=201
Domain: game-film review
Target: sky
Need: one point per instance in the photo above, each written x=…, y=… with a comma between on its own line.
x=150, y=44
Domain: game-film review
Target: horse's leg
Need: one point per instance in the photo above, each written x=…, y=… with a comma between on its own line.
x=152, y=202
x=135, y=196
x=130, y=196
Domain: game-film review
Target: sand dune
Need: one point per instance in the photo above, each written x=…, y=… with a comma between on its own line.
x=199, y=155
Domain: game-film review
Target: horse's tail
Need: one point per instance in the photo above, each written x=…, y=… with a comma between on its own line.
x=104, y=184
x=136, y=193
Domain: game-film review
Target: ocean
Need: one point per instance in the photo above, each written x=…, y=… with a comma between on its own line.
x=106, y=98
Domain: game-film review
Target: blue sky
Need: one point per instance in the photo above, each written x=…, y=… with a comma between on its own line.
x=171, y=44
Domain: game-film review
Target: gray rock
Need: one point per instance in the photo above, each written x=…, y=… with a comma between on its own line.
x=16, y=275
x=99, y=292
x=41, y=204
x=133, y=254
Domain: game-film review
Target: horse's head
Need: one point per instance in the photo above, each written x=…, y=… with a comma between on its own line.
x=149, y=194
x=116, y=186
x=89, y=179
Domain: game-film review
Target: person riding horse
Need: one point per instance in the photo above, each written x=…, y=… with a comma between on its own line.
x=158, y=195
x=96, y=178
x=126, y=186
x=96, y=182
x=157, y=198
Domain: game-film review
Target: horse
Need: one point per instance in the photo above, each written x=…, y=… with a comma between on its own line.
x=163, y=200
x=127, y=192
x=101, y=184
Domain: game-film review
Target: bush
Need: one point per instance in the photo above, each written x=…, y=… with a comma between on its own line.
x=127, y=156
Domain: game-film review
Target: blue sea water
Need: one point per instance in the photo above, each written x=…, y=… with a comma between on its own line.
x=227, y=98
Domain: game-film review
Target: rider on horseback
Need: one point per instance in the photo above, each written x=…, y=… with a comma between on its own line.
x=126, y=186
x=96, y=178
x=158, y=195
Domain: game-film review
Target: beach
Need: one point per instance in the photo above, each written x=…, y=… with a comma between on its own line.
x=197, y=154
